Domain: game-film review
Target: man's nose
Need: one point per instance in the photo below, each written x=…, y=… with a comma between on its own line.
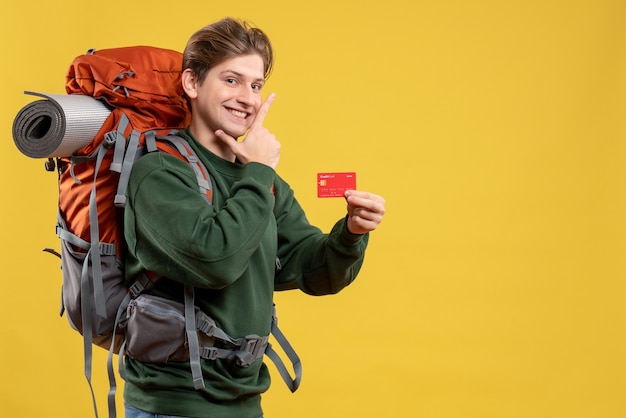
x=247, y=96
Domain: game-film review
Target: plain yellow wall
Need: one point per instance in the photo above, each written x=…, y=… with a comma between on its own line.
x=496, y=130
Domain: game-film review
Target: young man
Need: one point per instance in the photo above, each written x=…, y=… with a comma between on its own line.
x=251, y=240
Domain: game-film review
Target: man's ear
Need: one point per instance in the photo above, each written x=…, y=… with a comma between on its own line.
x=190, y=84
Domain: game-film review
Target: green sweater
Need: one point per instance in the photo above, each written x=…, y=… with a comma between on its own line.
x=228, y=251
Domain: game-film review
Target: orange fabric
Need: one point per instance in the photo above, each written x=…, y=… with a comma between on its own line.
x=145, y=84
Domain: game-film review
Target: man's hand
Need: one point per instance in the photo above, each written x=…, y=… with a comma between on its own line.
x=259, y=145
x=365, y=211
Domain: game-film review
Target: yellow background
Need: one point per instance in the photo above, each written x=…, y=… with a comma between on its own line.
x=494, y=129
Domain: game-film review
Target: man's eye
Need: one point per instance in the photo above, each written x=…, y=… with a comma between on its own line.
x=257, y=87
x=231, y=80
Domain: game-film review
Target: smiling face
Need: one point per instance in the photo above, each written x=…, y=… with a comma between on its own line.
x=227, y=99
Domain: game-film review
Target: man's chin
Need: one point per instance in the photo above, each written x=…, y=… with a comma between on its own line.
x=235, y=133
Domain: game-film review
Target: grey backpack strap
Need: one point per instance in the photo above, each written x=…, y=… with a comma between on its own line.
x=64, y=234
x=98, y=289
x=121, y=311
x=192, y=338
x=202, y=174
x=129, y=159
x=87, y=322
x=150, y=139
x=117, y=137
x=93, y=258
x=250, y=348
x=292, y=383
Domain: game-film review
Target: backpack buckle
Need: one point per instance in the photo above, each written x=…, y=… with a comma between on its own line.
x=254, y=349
x=136, y=289
x=209, y=353
x=205, y=324
x=109, y=139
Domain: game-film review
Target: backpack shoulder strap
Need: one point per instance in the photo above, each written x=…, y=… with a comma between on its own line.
x=184, y=149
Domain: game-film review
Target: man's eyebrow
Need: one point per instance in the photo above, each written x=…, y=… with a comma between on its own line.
x=240, y=75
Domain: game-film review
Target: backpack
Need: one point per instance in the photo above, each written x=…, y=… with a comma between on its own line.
x=142, y=88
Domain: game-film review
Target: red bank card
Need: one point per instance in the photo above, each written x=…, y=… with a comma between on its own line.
x=335, y=184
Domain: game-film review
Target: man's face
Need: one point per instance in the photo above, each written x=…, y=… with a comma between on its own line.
x=230, y=95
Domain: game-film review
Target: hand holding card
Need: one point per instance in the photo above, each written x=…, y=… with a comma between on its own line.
x=335, y=184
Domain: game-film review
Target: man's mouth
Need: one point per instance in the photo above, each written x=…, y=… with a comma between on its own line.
x=238, y=113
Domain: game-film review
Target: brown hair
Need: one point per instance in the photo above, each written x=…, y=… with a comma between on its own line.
x=215, y=43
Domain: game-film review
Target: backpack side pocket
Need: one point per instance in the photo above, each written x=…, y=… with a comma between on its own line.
x=155, y=330
x=72, y=264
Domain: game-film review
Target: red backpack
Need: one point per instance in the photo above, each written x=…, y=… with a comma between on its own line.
x=142, y=86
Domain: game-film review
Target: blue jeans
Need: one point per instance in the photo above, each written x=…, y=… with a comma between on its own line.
x=132, y=412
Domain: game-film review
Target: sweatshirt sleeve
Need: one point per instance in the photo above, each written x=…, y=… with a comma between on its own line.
x=172, y=231
x=312, y=261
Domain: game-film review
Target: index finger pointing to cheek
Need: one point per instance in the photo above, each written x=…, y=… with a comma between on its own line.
x=263, y=110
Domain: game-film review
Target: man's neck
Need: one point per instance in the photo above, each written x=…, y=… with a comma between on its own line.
x=210, y=141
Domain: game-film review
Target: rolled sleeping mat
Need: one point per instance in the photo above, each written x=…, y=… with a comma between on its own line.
x=58, y=125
